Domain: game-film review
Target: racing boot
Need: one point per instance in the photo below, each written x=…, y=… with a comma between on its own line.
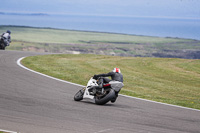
x=93, y=90
x=115, y=98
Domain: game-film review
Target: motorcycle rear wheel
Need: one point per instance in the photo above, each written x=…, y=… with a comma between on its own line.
x=105, y=99
x=79, y=95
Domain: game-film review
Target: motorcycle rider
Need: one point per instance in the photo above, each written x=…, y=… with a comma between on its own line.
x=6, y=38
x=115, y=75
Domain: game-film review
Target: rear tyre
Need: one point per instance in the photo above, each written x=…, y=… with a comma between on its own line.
x=79, y=95
x=105, y=99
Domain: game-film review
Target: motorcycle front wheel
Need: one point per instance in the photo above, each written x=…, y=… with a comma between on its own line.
x=79, y=95
x=107, y=98
x=2, y=47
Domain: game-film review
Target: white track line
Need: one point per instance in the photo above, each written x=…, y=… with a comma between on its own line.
x=160, y=103
x=19, y=60
x=7, y=131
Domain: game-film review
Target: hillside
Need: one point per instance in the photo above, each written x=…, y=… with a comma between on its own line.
x=67, y=41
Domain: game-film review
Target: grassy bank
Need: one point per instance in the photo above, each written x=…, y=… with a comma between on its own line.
x=68, y=41
x=174, y=81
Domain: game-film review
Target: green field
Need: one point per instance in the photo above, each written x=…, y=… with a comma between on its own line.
x=68, y=41
x=174, y=81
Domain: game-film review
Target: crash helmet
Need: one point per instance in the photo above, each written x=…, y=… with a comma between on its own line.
x=116, y=70
x=8, y=31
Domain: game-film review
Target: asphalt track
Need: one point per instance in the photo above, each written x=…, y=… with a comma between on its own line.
x=31, y=103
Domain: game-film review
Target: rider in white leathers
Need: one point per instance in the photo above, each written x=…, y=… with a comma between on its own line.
x=5, y=37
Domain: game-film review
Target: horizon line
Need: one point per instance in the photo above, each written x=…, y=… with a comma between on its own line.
x=100, y=15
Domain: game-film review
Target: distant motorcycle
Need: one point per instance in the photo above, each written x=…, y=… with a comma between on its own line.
x=99, y=96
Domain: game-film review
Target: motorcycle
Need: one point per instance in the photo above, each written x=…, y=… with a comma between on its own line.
x=109, y=92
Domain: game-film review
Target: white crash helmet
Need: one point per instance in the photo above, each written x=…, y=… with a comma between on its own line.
x=116, y=70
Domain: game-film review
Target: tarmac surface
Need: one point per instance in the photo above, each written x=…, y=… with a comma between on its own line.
x=31, y=103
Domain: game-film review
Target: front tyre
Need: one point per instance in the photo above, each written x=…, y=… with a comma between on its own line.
x=79, y=95
x=105, y=99
x=2, y=45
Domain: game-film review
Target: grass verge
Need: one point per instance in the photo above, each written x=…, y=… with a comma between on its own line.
x=174, y=81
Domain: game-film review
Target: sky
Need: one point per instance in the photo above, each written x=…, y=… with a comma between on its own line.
x=139, y=8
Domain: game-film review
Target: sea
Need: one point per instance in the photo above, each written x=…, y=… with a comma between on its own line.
x=147, y=26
